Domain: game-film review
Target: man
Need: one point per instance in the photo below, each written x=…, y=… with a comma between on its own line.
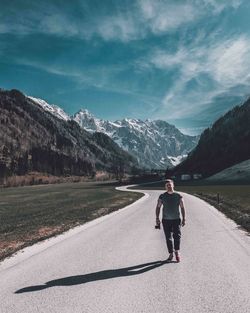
x=171, y=219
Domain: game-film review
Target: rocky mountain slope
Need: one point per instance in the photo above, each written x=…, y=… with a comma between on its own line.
x=155, y=144
x=34, y=139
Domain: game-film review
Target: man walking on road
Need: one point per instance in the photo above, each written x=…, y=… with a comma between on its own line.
x=171, y=219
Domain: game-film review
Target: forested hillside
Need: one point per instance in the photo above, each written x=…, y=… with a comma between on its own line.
x=226, y=143
x=32, y=139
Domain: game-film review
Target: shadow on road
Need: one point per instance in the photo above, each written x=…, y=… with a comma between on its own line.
x=106, y=274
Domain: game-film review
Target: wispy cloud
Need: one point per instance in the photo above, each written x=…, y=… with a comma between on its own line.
x=179, y=58
x=100, y=77
x=118, y=27
x=192, y=130
x=125, y=22
x=229, y=62
x=58, y=23
x=219, y=6
x=49, y=68
x=163, y=16
x=213, y=69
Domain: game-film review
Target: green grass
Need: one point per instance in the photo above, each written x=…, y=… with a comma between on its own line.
x=32, y=213
x=234, y=200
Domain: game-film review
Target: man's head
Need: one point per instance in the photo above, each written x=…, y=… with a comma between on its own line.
x=169, y=185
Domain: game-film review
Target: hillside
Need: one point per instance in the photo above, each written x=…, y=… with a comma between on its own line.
x=236, y=173
x=32, y=139
x=226, y=143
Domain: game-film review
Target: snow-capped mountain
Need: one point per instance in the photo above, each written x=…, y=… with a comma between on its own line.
x=155, y=144
x=49, y=144
x=52, y=108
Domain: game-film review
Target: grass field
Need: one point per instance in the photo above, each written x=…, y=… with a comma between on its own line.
x=234, y=200
x=33, y=213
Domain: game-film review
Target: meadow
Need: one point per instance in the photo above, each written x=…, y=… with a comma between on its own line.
x=33, y=213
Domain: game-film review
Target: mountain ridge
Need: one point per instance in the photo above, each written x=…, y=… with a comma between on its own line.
x=154, y=143
x=34, y=139
x=223, y=145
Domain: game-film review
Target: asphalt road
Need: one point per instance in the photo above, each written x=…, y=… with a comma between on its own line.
x=116, y=264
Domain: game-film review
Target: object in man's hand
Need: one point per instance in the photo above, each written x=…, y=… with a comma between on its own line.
x=158, y=226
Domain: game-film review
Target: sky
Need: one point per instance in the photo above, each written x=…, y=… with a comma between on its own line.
x=185, y=62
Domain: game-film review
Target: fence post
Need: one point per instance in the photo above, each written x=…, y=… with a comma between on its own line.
x=218, y=198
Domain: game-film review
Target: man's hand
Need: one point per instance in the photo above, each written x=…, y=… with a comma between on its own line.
x=183, y=222
x=158, y=223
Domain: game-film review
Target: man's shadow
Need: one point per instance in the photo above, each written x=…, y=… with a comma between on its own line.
x=106, y=274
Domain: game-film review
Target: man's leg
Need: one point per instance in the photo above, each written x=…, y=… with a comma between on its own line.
x=167, y=227
x=177, y=237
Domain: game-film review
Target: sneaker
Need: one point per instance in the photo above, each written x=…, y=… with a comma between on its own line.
x=177, y=256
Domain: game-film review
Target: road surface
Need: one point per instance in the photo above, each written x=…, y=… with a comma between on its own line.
x=116, y=264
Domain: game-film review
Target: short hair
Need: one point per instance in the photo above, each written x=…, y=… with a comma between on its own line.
x=169, y=181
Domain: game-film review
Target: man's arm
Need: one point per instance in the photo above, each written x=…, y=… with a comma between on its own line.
x=157, y=211
x=183, y=213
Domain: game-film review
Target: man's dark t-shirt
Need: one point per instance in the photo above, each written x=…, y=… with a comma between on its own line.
x=171, y=205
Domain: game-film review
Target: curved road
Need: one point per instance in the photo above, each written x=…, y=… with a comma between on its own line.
x=116, y=264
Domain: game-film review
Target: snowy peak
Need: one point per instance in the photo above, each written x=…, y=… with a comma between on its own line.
x=136, y=125
x=85, y=113
x=155, y=144
x=86, y=120
x=54, y=109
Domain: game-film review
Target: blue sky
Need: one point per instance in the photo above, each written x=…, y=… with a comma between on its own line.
x=186, y=62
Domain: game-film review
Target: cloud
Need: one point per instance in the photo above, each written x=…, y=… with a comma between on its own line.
x=207, y=70
x=117, y=27
x=164, y=60
x=100, y=77
x=49, y=68
x=219, y=6
x=122, y=22
x=198, y=67
x=83, y=22
x=226, y=61
x=163, y=16
x=192, y=131
x=230, y=62
x=58, y=24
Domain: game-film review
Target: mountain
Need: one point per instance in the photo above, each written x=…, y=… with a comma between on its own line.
x=52, y=108
x=33, y=138
x=223, y=145
x=155, y=144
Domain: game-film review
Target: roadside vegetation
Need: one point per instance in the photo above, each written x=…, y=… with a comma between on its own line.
x=32, y=213
x=232, y=200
